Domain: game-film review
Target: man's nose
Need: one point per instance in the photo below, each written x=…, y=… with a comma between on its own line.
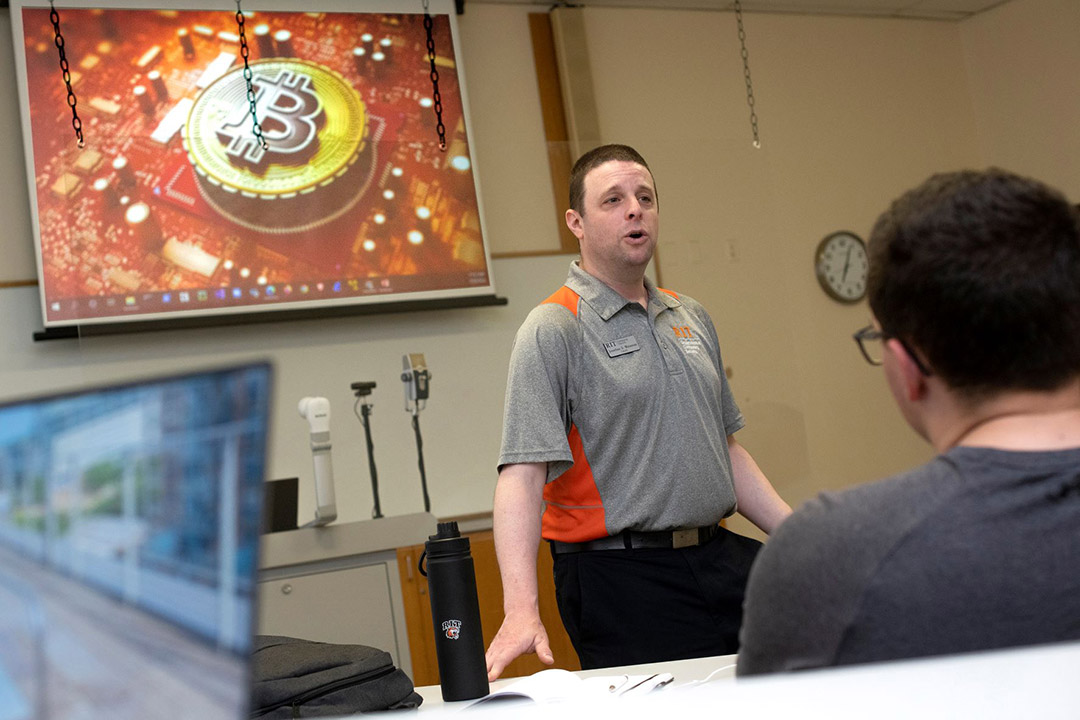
x=633, y=208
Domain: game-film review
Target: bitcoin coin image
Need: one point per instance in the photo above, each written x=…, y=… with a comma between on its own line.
x=314, y=167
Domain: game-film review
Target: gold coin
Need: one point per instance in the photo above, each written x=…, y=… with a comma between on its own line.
x=313, y=120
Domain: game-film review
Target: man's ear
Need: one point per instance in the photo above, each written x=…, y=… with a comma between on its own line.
x=912, y=378
x=573, y=221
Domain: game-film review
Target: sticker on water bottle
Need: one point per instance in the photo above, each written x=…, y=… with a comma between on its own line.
x=452, y=629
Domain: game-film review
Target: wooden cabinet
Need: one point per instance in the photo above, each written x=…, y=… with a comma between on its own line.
x=489, y=589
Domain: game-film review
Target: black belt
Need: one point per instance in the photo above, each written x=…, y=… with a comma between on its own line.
x=634, y=540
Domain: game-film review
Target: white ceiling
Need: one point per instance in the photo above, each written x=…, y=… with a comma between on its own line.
x=933, y=9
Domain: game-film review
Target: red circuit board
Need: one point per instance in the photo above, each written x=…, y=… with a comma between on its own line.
x=134, y=222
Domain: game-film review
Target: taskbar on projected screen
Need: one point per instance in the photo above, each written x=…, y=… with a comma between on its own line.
x=218, y=300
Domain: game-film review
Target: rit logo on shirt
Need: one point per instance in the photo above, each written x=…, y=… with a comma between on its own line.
x=682, y=331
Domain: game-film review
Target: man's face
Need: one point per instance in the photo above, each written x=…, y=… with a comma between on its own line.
x=620, y=222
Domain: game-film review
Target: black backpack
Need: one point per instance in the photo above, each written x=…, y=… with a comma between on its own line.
x=295, y=678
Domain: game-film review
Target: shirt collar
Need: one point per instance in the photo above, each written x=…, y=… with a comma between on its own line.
x=606, y=302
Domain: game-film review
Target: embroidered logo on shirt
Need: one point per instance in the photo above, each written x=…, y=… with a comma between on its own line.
x=687, y=341
x=621, y=346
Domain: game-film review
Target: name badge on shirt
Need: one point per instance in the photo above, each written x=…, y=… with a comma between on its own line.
x=622, y=346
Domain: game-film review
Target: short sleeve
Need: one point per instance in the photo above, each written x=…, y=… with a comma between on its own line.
x=539, y=398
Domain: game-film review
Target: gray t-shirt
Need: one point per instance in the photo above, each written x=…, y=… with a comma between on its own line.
x=978, y=549
x=629, y=407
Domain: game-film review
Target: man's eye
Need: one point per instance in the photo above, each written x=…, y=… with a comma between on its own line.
x=612, y=200
x=645, y=199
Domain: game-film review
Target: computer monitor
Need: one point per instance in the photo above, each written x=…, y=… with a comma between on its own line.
x=280, y=504
x=129, y=532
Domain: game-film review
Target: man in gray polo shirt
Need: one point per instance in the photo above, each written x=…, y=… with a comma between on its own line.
x=619, y=423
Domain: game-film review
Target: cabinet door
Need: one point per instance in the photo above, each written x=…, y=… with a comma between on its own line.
x=489, y=589
x=344, y=606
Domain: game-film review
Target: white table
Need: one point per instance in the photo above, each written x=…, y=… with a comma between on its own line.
x=1038, y=682
x=720, y=669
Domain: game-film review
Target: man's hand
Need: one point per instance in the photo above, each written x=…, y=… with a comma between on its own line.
x=519, y=634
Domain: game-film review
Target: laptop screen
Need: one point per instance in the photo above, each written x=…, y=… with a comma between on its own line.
x=129, y=530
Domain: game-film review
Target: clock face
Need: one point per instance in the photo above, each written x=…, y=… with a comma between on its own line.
x=842, y=266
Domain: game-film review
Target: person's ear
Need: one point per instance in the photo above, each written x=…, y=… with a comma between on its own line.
x=911, y=376
x=574, y=222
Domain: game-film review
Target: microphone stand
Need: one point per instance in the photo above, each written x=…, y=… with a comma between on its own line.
x=362, y=391
x=420, y=456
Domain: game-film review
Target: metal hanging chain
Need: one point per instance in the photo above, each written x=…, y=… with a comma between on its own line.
x=72, y=101
x=435, y=95
x=746, y=73
x=256, y=128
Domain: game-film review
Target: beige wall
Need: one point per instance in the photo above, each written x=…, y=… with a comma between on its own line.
x=852, y=111
x=508, y=133
x=16, y=241
x=1023, y=60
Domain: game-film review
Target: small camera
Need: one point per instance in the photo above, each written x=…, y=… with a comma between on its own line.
x=360, y=389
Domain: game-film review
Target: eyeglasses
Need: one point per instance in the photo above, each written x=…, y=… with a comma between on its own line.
x=871, y=342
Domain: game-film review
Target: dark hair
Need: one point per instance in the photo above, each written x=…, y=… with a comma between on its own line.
x=980, y=271
x=595, y=158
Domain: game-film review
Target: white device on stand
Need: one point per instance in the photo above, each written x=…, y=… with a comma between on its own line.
x=316, y=410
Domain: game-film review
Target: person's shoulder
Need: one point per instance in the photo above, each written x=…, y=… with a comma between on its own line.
x=809, y=578
x=681, y=297
x=549, y=312
x=550, y=317
x=839, y=518
x=873, y=497
x=685, y=302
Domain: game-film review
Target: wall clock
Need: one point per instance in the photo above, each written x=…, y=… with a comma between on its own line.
x=841, y=265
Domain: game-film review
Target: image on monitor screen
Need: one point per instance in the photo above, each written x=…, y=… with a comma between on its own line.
x=174, y=207
x=129, y=530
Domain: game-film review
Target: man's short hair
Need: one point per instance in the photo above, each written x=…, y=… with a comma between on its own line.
x=595, y=158
x=980, y=272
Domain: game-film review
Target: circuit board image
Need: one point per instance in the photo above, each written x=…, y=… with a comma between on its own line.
x=335, y=189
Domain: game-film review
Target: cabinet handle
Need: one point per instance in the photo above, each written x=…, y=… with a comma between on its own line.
x=286, y=589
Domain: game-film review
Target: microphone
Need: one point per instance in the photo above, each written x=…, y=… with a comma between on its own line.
x=316, y=410
x=415, y=375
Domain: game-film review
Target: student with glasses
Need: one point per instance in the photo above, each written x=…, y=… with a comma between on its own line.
x=975, y=290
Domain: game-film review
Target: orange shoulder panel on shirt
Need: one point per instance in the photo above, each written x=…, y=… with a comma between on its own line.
x=566, y=297
x=574, y=511
x=672, y=293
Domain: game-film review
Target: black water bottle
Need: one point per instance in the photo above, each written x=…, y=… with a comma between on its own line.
x=455, y=613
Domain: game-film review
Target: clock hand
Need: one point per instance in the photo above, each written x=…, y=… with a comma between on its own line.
x=847, y=264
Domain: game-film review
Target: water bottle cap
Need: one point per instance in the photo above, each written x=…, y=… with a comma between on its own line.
x=446, y=541
x=445, y=530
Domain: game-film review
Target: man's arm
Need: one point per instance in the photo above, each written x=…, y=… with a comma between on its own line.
x=519, y=494
x=758, y=501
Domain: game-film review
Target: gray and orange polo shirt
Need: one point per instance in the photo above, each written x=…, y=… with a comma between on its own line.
x=629, y=408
